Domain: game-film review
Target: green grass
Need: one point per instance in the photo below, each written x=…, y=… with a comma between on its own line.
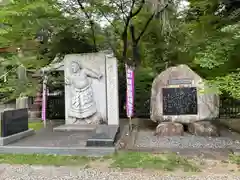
x=235, y=159
x=168, y=162
x=43, y=159
x=35, y=125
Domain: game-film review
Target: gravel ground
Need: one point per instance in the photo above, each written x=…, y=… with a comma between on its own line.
x=147, y=139
x=18, y=172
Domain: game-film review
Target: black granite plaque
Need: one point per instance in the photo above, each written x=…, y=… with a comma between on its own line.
x=180, y=101
x=14, y=121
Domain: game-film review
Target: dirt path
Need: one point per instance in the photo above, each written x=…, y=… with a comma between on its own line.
x=74, y=173
x=214, y=170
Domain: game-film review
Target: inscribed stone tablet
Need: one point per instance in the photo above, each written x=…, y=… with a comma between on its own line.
x=14, y=121
x=179, y=101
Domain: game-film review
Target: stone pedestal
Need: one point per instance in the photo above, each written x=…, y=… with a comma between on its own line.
x=169, y=129
x=103, y=136
x=203, y=128
x=75, y=128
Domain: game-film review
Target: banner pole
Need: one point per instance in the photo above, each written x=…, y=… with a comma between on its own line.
x=130, y=124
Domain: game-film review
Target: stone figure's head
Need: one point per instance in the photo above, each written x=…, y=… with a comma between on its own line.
x=76, y=67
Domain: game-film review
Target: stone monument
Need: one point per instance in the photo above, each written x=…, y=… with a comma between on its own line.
x=82, y=102
x=91, y=94
x=180, y=96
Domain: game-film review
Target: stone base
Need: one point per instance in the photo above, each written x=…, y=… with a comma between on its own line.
x=169, y=129
x=75, y=127
x=104, y=136
x=203, y=128
x=15, y=137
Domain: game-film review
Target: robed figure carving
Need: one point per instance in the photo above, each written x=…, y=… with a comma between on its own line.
x=82, y=103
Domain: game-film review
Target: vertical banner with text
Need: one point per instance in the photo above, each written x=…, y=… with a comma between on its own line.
x=44, y=99
x=130, y=91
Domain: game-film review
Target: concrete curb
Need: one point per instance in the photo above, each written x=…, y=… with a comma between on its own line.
x=15, y=137
x=82, y=151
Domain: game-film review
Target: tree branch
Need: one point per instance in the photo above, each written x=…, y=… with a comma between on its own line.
x=148, y=22
x=135, y=41
x=145, y=27
x=83, y=9
x=135, y=51
x=131, y=9
x=139, y=8
x=104, y=15
x=132, y=30
x=122, y=9
x=91, y=22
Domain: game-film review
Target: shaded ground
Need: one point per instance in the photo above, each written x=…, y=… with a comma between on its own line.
x=233, y=124
x=142, y=139
x=47, y=138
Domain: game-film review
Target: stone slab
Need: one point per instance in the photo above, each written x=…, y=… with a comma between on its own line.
x=13, y=122
x=74, y=128
x=105, y=90
x=112, y=90
x=15, y=137
x=95, y=62
x=81, y=151
x=104, y=136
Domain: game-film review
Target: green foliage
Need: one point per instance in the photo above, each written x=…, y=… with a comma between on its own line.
x=203, y=37
x=213, y=43
x=228, y=84
x=24, y=24
x=143, y=84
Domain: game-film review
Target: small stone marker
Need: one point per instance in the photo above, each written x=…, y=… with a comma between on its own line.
x=22, y=102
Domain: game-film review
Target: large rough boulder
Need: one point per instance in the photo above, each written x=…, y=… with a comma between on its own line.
x=179, y=95
x=169, y=129
x=203, y=128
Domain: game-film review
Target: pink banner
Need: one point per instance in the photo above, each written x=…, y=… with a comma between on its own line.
x=130, y=91
x=44, y=102
x=44, y=99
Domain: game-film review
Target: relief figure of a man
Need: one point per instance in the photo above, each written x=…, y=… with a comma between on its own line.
x=82, y=104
